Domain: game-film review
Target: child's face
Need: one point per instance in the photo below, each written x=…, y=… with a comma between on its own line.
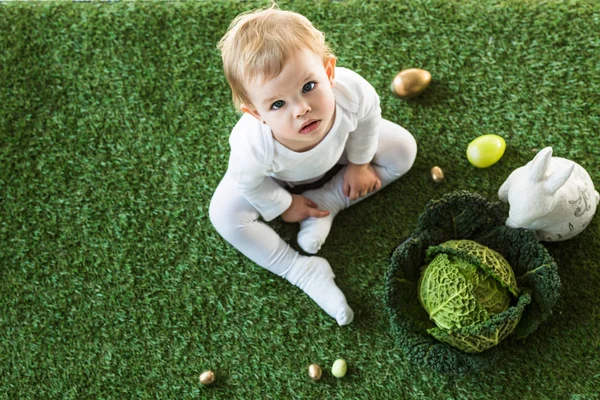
x=298, y=104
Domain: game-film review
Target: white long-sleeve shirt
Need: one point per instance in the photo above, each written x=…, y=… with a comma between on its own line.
x=256, y=156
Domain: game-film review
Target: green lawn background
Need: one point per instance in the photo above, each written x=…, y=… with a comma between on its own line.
x=114, y=123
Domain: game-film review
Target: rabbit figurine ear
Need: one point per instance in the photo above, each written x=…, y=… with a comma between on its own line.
x=505, y=187
x=557, y=179
x=539, y=164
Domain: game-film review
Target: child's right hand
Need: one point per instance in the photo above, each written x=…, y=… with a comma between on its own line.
x=302, y=208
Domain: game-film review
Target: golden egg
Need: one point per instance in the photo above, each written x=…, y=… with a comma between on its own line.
x=207, y=378
x=315, y=372
x=437, y=174
x=410, y=82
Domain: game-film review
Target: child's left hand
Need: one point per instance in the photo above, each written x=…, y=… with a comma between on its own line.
x=360, y=180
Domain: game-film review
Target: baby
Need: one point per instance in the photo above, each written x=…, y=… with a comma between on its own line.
x=302, y=115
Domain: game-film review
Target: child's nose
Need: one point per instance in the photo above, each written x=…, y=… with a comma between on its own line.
x=303, y=108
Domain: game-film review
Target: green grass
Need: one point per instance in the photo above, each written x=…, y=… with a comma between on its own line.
x=114, y=121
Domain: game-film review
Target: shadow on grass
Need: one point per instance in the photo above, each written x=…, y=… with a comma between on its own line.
x=437, y=93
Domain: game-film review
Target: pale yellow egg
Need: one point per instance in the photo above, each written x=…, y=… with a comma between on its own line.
x=486, y=150
x=339, y=368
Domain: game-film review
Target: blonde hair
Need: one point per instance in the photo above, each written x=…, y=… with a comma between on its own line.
x=258, y=43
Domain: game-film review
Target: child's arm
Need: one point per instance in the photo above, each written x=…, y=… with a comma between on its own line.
x=360, y=180
x=302, y=208
x=265, y=195
x=271, y=201
x=250, y=168
x=360, y=177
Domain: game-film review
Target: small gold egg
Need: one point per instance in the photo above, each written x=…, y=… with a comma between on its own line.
x=411, y=82
x=207, y=378
x=315, y=372
x=437, y=174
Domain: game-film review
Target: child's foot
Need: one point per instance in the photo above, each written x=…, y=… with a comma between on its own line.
x=330, y=197
x=313, y=232
x=314, y=276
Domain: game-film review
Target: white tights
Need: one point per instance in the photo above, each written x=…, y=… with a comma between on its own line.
x=238, y=222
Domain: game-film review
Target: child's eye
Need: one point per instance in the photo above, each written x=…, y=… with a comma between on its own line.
x=308, y=87
x=277, y=105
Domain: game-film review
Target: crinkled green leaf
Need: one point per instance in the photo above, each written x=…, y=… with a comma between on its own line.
x=480, y=337
x=492, y=296
x=489, y=260
x=448, y=290
x=457, y=291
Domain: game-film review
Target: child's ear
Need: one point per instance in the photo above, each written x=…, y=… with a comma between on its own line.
x=330, y=69
x=252, y=111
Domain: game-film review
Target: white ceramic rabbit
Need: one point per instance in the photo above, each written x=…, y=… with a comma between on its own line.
x=552, y=196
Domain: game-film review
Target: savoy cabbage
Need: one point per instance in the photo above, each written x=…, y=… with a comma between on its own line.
x=465, y=284
x=459, y=216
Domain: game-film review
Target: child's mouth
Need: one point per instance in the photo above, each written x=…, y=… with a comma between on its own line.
x=311, y=127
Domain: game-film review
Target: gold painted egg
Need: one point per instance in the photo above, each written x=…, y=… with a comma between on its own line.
x=315, y=372
x=207, y=378
x=486, y=150
x=437, y=175
x=411, y=82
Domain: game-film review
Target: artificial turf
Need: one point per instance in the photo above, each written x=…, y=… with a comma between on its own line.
x=114, y=123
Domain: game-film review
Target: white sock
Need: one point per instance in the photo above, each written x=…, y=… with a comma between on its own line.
x=314, y=276
x=313, y=232
x=330, y=197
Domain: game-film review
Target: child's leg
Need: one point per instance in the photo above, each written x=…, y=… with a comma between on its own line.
x=237, y=221
x=395, y=155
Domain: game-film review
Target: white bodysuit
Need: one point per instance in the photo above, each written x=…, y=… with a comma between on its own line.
x=256, y=155
x=259, y=167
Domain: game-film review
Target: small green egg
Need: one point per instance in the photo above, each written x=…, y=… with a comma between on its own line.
x=339, y=368
x=486, y=150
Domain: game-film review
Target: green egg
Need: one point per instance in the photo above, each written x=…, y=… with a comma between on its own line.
x=339, y=368
x=486, y=150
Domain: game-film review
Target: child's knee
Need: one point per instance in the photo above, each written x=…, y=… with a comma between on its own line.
x=401, y=152
x=217, y=215
x=229, y=214
x=408, y=149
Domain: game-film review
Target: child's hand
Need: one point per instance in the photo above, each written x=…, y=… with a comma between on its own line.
x=360, y=180
x=302, y=208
